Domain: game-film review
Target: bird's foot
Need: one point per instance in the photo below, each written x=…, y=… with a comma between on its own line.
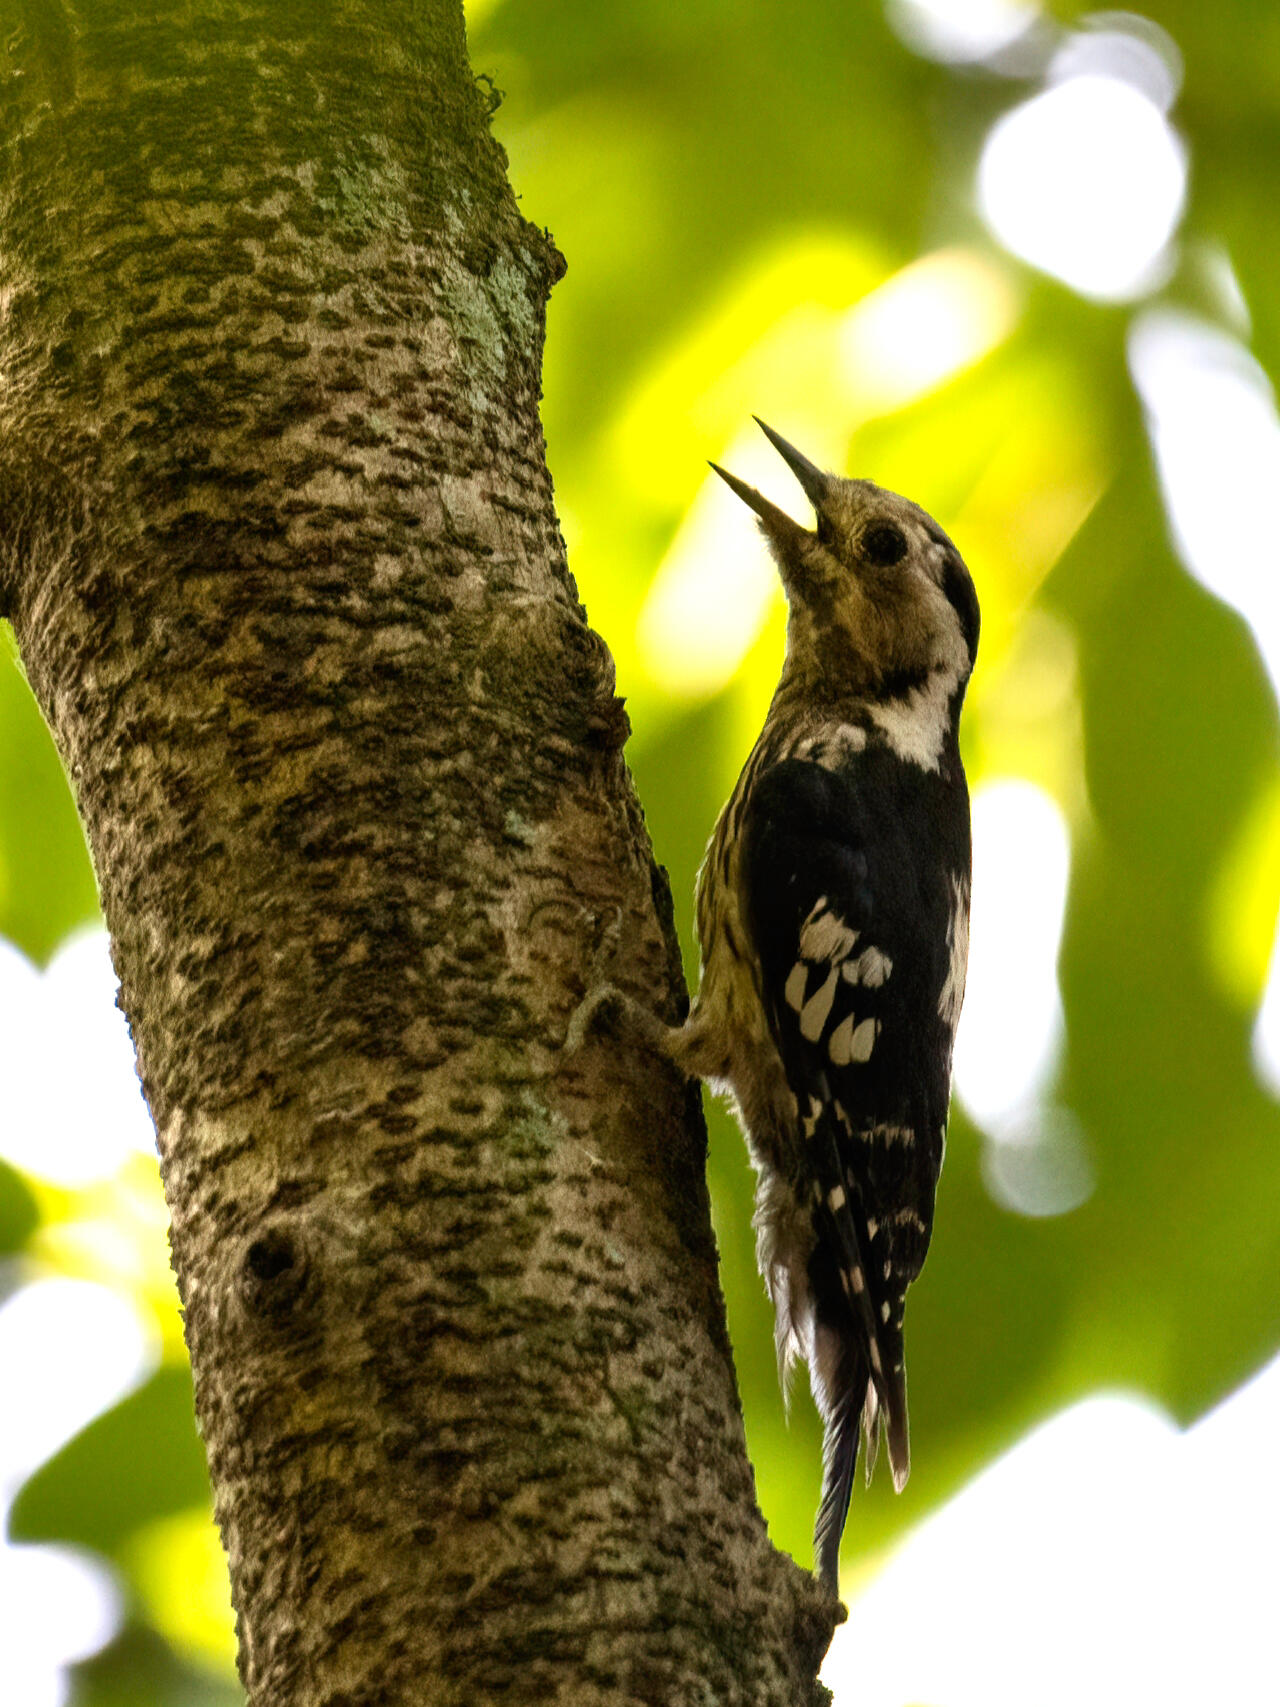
x=608, y=1010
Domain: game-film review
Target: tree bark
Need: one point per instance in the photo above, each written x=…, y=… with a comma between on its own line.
x=279, y=548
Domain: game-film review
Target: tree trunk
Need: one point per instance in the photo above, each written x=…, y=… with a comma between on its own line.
x=280, y=553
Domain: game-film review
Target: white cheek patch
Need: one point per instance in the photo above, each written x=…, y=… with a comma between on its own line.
x=916, y=726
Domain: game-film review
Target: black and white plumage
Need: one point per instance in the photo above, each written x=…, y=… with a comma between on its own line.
x=833, y=914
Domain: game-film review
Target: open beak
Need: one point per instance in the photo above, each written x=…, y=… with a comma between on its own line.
x=777, y=523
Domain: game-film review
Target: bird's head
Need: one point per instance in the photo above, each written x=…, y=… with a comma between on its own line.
x=879, y=597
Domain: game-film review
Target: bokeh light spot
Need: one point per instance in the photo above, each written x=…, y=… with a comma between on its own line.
x=1011, y=1026
x=711, y=594
x=58, y=1607
x=103, y=1350
x=74, y=1109
x=1106, y=1557
x=69, y=1350
x=928, y=322
x=1124, y=45
x=1212, y=419
x=1038, y=1164
x=1086, y=181
x=960, y=32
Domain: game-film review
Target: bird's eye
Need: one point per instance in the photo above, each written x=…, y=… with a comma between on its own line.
x=884, y=544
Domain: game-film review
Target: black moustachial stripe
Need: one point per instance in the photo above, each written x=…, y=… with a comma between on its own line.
x=958, y=587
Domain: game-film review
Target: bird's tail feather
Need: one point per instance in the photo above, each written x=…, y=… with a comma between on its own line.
x=895, y=1424
x=870, y=1431
x=842, y=1391
x=839, y=1461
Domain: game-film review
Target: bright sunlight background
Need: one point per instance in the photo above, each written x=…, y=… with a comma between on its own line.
x=1022, y=263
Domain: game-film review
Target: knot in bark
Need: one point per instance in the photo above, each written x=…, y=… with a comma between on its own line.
x=275, y=1275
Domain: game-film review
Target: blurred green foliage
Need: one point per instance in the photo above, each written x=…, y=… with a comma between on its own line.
x=46, y=881
x=19, y=1216
x=727, y=181
x=169, y=1477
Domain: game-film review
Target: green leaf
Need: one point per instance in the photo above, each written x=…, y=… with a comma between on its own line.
x=46, y=879
x=19, y=1216
x=139, y=1461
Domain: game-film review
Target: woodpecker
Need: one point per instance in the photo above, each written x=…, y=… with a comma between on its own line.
x=833, y=919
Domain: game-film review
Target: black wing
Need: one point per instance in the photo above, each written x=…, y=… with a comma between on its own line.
x=849, y=878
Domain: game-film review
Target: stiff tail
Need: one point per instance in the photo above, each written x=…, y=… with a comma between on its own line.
x=846, y=1402
x=839, y=1461
x=853, y=1404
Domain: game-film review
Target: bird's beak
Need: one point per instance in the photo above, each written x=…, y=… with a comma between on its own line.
x=777, y=523
x=810, y=476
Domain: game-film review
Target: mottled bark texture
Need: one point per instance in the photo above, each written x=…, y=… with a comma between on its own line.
x=279, y=548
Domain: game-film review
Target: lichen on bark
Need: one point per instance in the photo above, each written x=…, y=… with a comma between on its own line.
x=280, y=552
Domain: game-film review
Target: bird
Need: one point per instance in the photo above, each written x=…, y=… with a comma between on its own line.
x=833, y=924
